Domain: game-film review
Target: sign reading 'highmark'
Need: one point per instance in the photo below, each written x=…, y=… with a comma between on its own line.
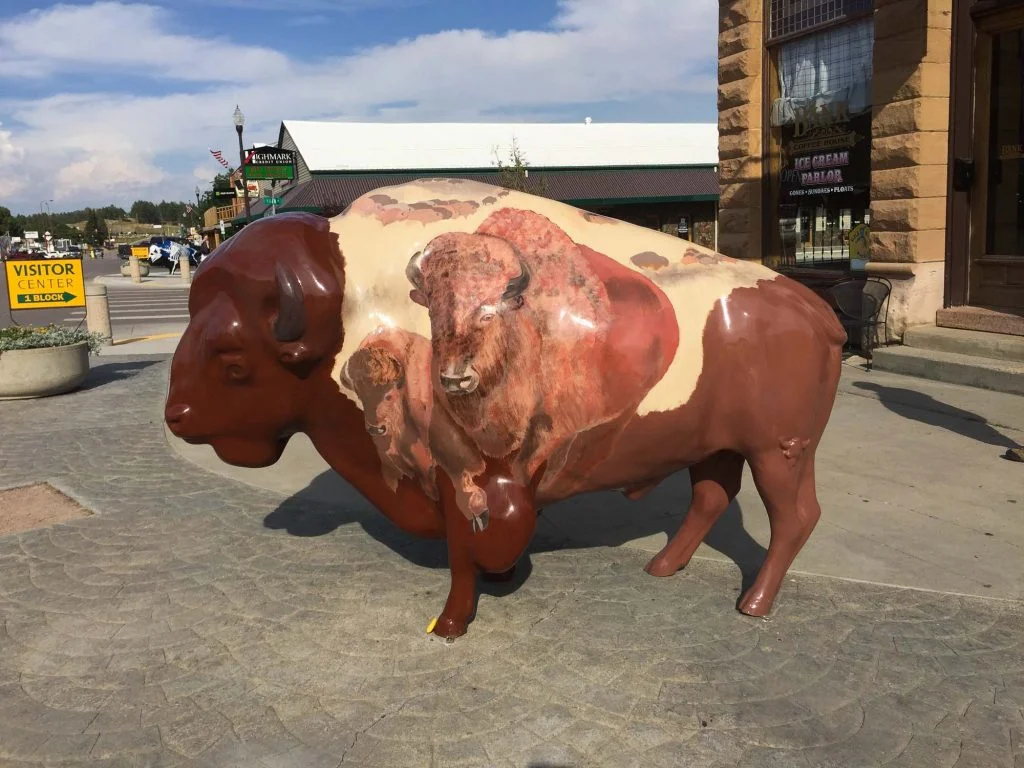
x=49, y=284
x=270, y=163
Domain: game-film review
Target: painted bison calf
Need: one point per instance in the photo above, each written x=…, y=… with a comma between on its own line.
x=464, y=355
x=390, y=372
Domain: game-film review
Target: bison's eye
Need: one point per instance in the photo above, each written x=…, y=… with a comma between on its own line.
x=486, y=317
x=235, y=367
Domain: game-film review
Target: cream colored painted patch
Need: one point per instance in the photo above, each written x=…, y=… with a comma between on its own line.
x=377, y=290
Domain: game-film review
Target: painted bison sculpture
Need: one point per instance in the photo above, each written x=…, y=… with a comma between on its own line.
x=464, y=355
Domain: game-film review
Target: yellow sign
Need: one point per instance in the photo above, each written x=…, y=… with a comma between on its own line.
x=45, y=284
x=860, y=242
x=140, y=251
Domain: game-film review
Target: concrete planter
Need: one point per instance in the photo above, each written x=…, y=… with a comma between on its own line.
x=41, y=372
x=126, y=268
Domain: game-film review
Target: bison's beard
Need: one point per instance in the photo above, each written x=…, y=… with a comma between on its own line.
x=245, y=452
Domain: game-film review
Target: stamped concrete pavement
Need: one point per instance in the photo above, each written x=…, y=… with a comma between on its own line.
x=194, y=620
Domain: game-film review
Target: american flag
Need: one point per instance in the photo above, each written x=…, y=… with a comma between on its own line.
x=219, y=157
x=188, y=208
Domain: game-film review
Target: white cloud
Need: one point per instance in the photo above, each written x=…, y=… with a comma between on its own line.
x=140, y=43
x=106, y=173
x=594, y=51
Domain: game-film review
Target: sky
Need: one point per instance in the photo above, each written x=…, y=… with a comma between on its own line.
x=110, y=102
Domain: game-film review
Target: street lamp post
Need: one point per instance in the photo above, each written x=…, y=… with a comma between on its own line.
x=239, y=123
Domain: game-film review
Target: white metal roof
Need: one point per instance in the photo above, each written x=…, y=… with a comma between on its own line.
x=346, y=146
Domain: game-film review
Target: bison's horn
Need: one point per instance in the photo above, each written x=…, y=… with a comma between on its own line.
x=291, y=310
x=413, y=271
x=517, y=284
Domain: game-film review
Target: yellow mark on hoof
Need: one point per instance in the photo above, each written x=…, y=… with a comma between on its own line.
x=153, y=337
x=431, y=625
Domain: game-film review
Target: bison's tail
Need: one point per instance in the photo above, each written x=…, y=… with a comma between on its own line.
x=831, y=326
x=823, y=315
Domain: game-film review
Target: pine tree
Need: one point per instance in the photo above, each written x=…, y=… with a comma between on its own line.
x=91, y=227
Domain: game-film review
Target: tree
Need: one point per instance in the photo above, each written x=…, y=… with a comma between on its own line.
x=221, y=184
x=6, y=221
x=145, y=212
x=61, y=231
x=91, y=227
x=516, y=175
x=95, y=228
x=170, y=212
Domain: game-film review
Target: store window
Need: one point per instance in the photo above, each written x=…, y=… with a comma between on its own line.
x=790, y=17
x=1004, y=228
x=820, y=132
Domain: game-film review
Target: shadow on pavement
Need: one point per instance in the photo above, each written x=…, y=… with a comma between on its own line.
x=927, y=410
x=103, y=373
x=604, y=519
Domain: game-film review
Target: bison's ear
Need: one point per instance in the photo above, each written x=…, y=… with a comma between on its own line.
x=417, y=295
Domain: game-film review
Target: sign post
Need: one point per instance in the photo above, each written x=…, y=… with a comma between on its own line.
x=49, y=284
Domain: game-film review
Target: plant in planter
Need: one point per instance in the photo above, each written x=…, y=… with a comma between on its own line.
x=44, y=360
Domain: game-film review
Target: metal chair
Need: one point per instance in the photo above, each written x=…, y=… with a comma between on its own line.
x=858, y=302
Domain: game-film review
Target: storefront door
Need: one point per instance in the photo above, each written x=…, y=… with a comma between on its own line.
x=996, y=268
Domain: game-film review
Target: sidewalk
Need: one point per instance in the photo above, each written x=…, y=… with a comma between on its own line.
x=195, y=620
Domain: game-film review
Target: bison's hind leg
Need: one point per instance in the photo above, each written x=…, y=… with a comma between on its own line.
x=715, y=482
x=786, y=485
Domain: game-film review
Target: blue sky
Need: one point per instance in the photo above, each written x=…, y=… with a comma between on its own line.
x=106, y=102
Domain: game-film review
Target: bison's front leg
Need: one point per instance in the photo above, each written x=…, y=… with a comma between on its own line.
x=512, y=522
x=458, y=609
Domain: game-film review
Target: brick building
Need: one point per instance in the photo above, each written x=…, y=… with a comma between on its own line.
x=880, y=137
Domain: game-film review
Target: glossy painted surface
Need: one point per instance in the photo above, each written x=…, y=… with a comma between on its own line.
x=464, y=354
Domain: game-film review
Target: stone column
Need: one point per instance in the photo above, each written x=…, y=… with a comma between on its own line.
x=740, y=80
x=97, y=311
x=909, y=146
x=186, y=268
x=133, y=267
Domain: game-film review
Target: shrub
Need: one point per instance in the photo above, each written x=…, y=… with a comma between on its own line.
x=35, y=337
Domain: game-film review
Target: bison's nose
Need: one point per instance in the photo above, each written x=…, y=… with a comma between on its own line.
x=461, y=384
x=175, y=416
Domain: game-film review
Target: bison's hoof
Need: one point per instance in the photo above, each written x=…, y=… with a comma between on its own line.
x=662, y=566
x=755, y=603
x=448, y=628
x=480, y=522
x=500, y=577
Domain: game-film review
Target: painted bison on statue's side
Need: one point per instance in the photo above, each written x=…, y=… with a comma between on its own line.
x=464, y=355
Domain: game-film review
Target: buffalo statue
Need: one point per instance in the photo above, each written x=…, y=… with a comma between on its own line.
x=465, y=355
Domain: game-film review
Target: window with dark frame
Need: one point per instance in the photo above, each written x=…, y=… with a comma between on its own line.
x=819, y=126
x=790, y=17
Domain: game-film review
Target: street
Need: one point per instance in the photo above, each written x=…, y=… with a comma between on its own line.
x=133, y=309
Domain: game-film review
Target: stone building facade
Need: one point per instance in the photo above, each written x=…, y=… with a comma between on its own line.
x=840, y=123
